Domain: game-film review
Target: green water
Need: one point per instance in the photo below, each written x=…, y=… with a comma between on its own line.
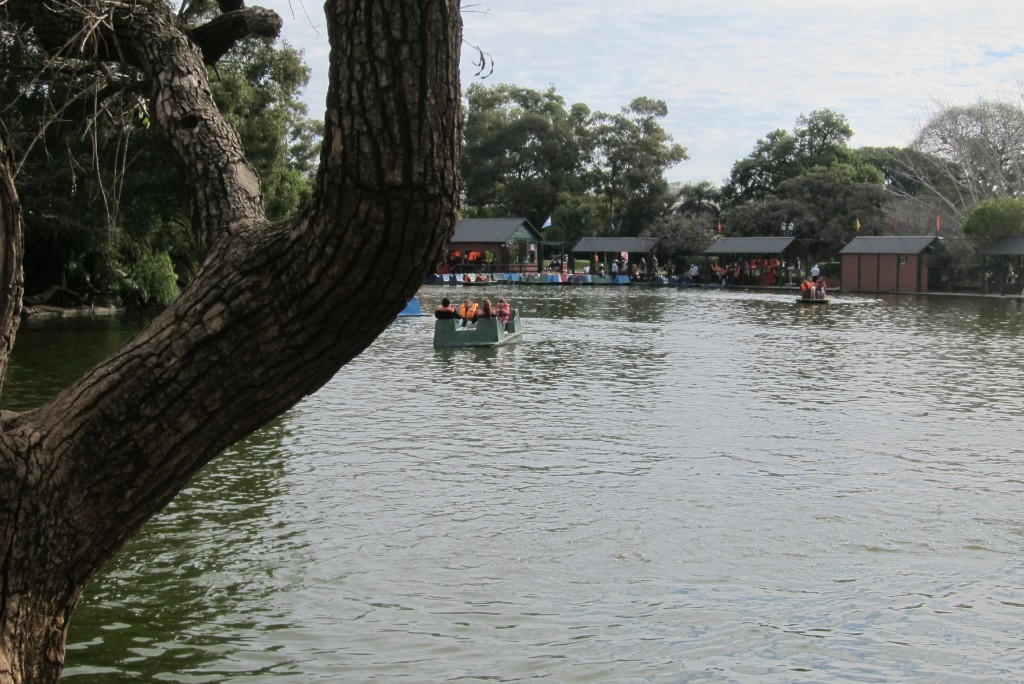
x=657, y=485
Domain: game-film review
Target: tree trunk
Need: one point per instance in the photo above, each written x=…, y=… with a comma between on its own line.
x=273, y=313
x=10, y=260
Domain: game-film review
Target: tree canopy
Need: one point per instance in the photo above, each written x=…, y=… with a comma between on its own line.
x=995, y=218
x=108, y=218
x=528, y=154
x=810, y=178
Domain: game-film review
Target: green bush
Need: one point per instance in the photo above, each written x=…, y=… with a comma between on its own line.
x=151, y=280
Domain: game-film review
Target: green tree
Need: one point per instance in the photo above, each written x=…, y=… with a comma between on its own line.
x=820, y=140
x=632, y=154
x=702, y=199
x=576, y=215
x=275, y=309
x=823, y=139
x=995, y=218
x=257, y=87
x=102, y=202
x=759, y=173
x=680, y=235
x=829, y=204
x=522, y=149
x=810, y=178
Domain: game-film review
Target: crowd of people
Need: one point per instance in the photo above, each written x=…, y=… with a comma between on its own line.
x=470, y=312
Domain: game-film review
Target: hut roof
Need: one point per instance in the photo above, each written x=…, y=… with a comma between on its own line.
x=890, y=244
x=1008, y=245
x=751, y=245
x=495, y=230
x=616, y=244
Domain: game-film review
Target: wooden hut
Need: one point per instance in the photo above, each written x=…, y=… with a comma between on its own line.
x=1002, y=260
x=505, y=245
x=893, y=263
x=758, y=260
x=604, y=250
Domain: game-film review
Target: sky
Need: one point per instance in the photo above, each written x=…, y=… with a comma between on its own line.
x=733, y=71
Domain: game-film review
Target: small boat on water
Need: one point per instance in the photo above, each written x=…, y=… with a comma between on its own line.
x=486, y=332
x=813, y=292
x=412, y=308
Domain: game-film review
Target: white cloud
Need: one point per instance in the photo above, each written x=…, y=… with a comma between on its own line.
x=732, y=72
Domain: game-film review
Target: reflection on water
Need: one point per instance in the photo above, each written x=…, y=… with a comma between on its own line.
x=656, y=485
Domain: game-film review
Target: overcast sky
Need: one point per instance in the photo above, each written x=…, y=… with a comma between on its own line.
x=732, y=71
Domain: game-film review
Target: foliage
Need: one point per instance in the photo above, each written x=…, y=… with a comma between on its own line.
x=809, y=178
x=832, y=203
x=995, y=218
x=632, y=154
x=527, y=154
x=680, y=235
x=257, y=88
x=152, y=280
x=698, y=199
x=820, y=140
x=772, y=162
x=522, y=148
x=964, y=155
x=99, y=194
x=576, y=215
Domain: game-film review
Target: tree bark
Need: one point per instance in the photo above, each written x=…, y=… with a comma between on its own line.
x=10, y=260
x=274, y=312
x=218, y=36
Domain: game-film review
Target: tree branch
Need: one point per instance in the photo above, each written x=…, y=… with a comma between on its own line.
x=217, y=37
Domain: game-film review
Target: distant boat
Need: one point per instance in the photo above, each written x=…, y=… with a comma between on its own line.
x=812, y=292
x=412, y=308
x=486, y=332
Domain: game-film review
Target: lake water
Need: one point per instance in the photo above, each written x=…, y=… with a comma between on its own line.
x=657, y=485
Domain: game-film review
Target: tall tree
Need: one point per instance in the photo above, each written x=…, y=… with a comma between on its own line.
x=773, y=161
x=522, y=148
x=819, y=140
x=966, y=154
x=823, y=139
x=275, y=308
x=633, y=152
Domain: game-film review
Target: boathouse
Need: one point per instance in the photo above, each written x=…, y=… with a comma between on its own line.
x=758, y=260
x=604, y=250
x=1002, y=261
x=893, y=263
x=505, y=245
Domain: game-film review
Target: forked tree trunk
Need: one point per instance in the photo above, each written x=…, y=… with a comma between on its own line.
x=273, y=313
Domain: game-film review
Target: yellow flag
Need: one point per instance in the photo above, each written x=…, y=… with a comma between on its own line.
x=857, y=223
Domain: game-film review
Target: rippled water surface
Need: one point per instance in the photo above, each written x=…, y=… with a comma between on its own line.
x=658, y=485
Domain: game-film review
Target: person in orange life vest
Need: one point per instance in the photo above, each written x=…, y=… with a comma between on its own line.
x=467, y=311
